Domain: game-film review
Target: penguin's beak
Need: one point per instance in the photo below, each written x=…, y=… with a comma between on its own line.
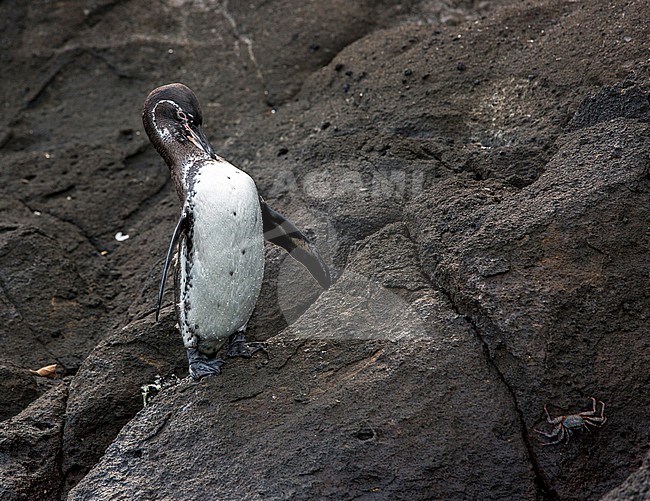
x=197, y=137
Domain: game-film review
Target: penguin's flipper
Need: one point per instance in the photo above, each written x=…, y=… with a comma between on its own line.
x=180, y=227
x=281, y=232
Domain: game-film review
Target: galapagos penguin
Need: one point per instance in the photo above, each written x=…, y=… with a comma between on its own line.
x=220, y=233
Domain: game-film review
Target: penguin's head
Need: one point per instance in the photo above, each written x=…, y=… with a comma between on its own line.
x=172, y=119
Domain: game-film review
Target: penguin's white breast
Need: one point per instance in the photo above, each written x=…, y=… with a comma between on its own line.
x=227, y=250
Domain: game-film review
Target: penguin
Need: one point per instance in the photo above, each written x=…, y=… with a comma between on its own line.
x=219, y=235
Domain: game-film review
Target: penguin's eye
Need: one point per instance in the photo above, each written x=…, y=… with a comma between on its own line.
x=182, y=116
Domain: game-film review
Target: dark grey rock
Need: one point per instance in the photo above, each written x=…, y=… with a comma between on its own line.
x=563, y=318
x=624, y=100
x=30, y=448
x=489, y=228
x=17, y=389
x=349, y=404
x=636, y=487
x=49, y=309
x=106, y=393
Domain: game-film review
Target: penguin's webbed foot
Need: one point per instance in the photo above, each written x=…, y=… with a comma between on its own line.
x=238, y=347
x=201, y=365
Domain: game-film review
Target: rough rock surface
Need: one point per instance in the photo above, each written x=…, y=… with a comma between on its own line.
x=330, y=387
x=477, y=173
x=637, y=485
x=30, y=448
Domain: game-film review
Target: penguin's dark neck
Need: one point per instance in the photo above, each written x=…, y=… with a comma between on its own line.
x=185, y=168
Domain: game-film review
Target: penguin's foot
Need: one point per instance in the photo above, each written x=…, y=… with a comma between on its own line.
x=201, y=365
x=238, y=346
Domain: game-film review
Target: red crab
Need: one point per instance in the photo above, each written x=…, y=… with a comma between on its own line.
x=566, y=425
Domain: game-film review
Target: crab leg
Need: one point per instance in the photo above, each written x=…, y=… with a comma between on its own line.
x=554, y=433
x=592, y=411
x=551, y=420
x=560, y=430
x=597, y=420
